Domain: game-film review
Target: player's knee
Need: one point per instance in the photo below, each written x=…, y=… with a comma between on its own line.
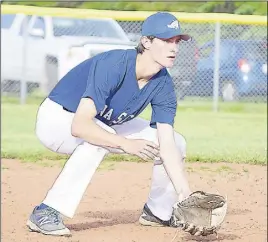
x=45, y=137
x=181, y=143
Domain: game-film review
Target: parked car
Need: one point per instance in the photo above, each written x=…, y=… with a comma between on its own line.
x=74, y=54
x=31, y=45
x=242, y=71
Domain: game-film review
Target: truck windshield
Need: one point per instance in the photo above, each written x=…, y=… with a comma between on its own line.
x=7, y=20
x=86, y=27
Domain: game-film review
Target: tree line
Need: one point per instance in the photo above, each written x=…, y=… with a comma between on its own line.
x=243, y=8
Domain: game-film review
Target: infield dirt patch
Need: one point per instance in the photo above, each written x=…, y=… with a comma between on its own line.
x=113, y=202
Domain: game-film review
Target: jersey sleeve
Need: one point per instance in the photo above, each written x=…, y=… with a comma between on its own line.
x=164, y=105
x=103, y=78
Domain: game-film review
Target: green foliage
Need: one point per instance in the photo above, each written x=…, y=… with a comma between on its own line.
x=249, y=8
x=31, y=3
x=258, y=8
x=245, y=10
x=207, y=7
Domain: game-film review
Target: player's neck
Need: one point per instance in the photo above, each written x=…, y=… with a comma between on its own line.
x=146, y=67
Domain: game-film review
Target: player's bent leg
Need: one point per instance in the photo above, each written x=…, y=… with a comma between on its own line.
x=159, y=207
x=162, y=194
x=53, y=128
x=67, y=191
x=69, y=187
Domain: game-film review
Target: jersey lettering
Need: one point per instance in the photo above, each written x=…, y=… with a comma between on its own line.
x=129, y=117
x=108, y=115
x=119, y=119
x=123, y=117
x=104, y=109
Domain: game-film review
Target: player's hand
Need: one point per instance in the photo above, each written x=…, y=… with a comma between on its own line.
x=144, y=149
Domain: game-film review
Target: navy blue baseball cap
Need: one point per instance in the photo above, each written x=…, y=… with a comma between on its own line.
x=163, y=25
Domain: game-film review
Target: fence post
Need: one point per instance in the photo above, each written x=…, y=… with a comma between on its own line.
x=23, y=81
x=216, y=66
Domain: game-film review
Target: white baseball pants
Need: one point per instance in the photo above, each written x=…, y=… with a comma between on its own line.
x=53, y=128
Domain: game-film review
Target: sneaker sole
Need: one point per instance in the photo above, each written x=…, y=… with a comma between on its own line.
x=63, y=232
x=145, y=222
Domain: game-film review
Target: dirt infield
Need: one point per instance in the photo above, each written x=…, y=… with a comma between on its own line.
x=113, y=202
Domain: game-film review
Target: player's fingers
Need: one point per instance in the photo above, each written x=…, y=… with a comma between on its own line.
x=153, y=151
x=144, y=156
x=153, y=145
x=147, y=153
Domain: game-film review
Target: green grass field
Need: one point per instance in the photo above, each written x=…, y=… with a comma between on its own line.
x=237, y=133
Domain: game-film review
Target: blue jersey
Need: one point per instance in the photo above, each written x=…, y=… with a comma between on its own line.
x=109, y=79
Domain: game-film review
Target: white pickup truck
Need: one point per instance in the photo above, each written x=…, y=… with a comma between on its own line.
x=38, y=49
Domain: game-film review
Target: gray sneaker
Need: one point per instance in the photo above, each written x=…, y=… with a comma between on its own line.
x=149, y=219
x=47, y=221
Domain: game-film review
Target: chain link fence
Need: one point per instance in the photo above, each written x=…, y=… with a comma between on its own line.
x=242, y=60
x=223, y=62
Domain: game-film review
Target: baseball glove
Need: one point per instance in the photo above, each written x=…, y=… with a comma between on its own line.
x=201, y=213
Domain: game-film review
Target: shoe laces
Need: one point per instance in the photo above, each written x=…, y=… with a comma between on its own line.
x=53, y=215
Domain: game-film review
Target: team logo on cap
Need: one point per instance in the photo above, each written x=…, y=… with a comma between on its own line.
x=174, y=25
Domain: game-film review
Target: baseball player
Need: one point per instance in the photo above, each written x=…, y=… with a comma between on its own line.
x=93, y=111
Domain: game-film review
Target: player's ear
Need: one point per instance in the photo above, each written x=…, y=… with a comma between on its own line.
x=146, y=42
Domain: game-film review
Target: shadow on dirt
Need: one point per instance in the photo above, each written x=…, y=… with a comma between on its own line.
x=106, y=219
x=116, y=217
x=221, y=237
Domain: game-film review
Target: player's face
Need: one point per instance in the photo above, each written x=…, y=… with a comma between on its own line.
x=164, y=51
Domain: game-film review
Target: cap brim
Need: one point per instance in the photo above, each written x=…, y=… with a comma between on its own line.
x=172, y=33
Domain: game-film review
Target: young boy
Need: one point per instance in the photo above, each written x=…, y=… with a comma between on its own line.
x=93, y=111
